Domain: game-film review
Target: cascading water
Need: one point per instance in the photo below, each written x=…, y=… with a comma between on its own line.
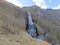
x=31, y=30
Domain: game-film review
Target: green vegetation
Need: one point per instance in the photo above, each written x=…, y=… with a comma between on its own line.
x=49, y=27
x=48, y=23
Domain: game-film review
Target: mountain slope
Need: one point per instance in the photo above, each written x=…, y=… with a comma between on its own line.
x=11, y=15
x=12, y=26
x=47, y=20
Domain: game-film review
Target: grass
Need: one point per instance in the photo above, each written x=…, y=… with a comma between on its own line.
x=44, y=21
x=49, y=27
x=22, y=39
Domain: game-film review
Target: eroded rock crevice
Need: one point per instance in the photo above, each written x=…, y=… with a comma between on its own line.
x=32, y=29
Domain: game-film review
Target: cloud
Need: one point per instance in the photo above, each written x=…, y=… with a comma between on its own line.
x=40, y=3
x=57, y=7
x=15, y=2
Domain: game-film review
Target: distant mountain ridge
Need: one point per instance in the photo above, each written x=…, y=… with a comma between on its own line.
x=49, y=14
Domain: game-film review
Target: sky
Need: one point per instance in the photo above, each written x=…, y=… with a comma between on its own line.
x=44, y=4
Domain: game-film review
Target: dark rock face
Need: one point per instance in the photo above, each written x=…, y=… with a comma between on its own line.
x=32, y=28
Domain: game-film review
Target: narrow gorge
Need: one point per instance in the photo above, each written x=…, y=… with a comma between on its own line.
x=31, y=28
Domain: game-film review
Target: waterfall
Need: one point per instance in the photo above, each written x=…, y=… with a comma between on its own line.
x=31, y=30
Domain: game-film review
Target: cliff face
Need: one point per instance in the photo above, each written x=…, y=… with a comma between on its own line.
x=12, y=26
